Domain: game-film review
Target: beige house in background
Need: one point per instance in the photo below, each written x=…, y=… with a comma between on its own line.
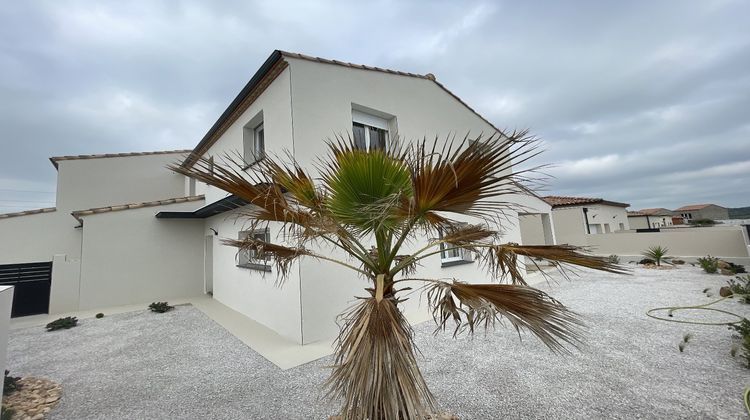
x=650, y=218
x=702, y=211
x=576, y=217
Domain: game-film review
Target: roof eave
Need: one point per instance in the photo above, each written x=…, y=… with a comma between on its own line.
x=275, y=56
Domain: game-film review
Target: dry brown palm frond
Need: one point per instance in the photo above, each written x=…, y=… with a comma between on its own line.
x=375, y=373
x=466, y=235
x=281, y=256
x=482, y=305
x=502, y=260
x=256, y=188
x=469, y=177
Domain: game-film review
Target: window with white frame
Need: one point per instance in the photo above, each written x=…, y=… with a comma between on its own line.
x=253, y=139
x=249, y=258
x=370, y=132
x=452, y=255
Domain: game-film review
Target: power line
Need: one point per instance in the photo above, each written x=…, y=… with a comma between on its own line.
x=24, y=201
x=22, y=207
x=28, y=191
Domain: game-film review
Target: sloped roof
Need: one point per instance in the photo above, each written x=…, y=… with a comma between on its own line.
x=57, y=159
x=693, y=207
x=78, y=213
x=658, y=211
x=267, y=73
x=28, y=212
x=565, y=201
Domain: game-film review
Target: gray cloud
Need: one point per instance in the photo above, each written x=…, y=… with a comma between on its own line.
x=642, y=102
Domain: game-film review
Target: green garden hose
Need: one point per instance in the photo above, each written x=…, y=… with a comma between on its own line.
x=705, y=307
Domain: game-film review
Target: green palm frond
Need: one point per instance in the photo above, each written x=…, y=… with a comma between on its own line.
x=366, y=189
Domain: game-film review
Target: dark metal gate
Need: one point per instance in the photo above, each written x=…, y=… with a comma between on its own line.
x=31, y=283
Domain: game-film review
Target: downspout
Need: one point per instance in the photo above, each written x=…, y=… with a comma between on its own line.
x=586, y=217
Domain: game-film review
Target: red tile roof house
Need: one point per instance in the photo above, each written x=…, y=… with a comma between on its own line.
x=702, y=211
x=125, y=230
x=576, y=217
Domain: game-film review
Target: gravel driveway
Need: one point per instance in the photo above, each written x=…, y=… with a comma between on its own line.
x=181, y=365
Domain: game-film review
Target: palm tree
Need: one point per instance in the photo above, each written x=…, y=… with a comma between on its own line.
x=404, y=195
x=657, y=253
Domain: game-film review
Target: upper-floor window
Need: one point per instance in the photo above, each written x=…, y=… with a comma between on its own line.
x=370, y=131
x=253, y=140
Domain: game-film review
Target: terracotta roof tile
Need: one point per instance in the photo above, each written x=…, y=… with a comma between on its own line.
x=692, y=207
x=56, y=159
x=565, y=201
x=28, y=212
x=659, y=211
x=77, y=214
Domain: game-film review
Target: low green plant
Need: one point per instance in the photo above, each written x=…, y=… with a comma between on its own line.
x=7, y=413
x=702, y=222
x=62, y=323
x=740, y=287
x=657, y=253
x=99, y=315
x=742, y=329
x=736, y=268
x=614, y=259
x=10, y=385
x=709, y=264
x=160, y=307
x=685, y=340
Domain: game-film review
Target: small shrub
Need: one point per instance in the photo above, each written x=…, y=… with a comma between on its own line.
x=709, y=264
x=7, y=413
x=657, y=253
x=160, y=307
x=685, y=340
x=743, y=332
x=647, y=261
x=736, y=268
x=99, y=315
x=10, y=385
x=62, y=323
x=614, y=259
x=702, y=222
x=740, y=286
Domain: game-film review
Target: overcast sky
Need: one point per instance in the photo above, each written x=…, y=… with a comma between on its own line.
x=645, y=102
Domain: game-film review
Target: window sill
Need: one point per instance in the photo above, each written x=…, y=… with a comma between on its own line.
x=455, y=262
x=251, y=164
x=257, y=267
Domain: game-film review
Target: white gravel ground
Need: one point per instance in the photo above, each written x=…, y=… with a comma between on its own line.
x=181, y=365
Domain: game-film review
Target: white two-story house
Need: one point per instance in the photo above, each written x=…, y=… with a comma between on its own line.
x=293, y=104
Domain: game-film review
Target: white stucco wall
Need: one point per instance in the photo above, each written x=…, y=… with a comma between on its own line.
x=690, y=242
x=275, y=104
x=132, y=257
x=6, y=302
x=307, y=104
x=88, y=183
x=39, y=237
x=570, y=223
x=253, y=292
